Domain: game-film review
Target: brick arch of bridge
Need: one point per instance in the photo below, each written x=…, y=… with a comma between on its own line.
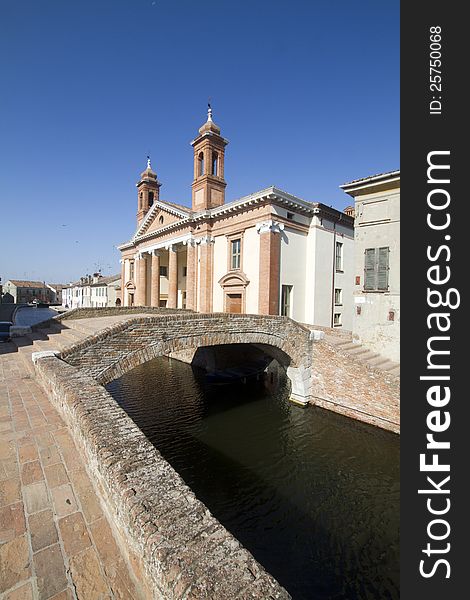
x=118, y=349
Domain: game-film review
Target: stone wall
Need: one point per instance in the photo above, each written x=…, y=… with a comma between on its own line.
x=184, y=551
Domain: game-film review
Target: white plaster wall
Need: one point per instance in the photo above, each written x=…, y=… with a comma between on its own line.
x=310, y=269
x=293, y=269
x=323, y=277
x=378, y=225
x=345, y=282
x=220, y=269
x=282, y=212
x=251, y=269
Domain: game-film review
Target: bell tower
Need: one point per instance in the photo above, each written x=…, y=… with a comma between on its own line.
x=148, y=191
x=208, y=187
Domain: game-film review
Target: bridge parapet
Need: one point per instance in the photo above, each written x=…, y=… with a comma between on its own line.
x=176, y=544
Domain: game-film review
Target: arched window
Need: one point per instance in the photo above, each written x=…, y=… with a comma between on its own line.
x=200, y=159
x=160, y=220
x=150, y=199
x=215, y=163
x=140, y=200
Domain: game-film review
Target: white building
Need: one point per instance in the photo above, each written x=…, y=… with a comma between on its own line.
x=377, y=263
x=93, y=291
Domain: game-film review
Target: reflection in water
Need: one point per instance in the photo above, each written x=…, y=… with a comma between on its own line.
x=313, y=495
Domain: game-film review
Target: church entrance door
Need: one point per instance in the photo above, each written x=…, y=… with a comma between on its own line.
x=234, y=303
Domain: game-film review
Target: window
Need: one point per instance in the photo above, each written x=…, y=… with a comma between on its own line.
x=236, y=256
x=337, y=319
x=163, y=271
x=150, y=199
x=338, y=296
x=160, y=219
x=200, y=160
x=376, y=268
x=185, y=271
x=339, y=256
x=131, y=270
x=290, y=216
x=286, y=294
x=215, y=163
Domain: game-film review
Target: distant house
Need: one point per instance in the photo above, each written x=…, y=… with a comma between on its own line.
x=376, y=322
x=24, y=291
x=56, y=292
x=93, y=291
x=106, y=291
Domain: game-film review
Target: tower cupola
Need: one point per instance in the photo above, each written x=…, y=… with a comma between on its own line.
x=208, y=187
x=148, y=191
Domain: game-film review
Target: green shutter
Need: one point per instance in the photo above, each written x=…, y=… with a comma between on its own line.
x=370, y=270
x=383, y=268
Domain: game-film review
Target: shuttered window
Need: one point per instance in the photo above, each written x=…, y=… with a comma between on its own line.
x=376, y=269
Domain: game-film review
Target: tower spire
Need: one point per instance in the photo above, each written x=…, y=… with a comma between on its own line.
x=209, y=111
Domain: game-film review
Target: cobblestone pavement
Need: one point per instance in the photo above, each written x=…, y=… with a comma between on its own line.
x=55, y=540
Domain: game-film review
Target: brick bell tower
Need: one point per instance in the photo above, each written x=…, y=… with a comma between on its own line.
x=208, y=187
x=148, y=191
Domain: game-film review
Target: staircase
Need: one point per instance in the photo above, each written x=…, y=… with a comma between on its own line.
x=55, y=337
x=359, y=353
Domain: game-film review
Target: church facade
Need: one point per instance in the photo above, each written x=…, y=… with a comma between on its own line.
x=266, y=253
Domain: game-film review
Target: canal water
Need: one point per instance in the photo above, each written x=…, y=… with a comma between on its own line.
x=313, y=495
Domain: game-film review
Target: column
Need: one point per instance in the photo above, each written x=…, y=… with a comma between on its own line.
x=191, y=276
x=205, y=282
x=123, y=282
x=269, y=267
x=142, y=281
x=155, y=285
x=172, y=277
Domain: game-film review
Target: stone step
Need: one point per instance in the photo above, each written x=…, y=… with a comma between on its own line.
x=358, y=351
x=380, y=360
x=348, y=346
x=395, y=371
x=368, y=356
x=388, y=366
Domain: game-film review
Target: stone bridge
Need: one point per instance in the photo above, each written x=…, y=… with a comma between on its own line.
x=112, y=352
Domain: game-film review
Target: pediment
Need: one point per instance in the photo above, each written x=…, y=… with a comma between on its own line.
x=160, y=219
x=234, y=279
x=159, y=216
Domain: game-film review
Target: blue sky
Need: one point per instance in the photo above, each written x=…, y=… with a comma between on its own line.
x=306, y=91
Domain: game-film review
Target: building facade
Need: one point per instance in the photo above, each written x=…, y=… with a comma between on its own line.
x=266, y=253
x=377, y=263
x=93, y=291
x=24, y=292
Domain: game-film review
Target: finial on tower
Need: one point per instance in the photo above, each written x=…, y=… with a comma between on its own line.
x=149, y=166
x=209, y=111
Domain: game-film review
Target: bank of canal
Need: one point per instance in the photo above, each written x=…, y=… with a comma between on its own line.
x=313, y=495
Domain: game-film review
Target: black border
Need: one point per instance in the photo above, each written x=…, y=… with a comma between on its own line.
x=420, y=134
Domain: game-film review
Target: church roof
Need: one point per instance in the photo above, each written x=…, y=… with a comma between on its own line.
x=270, y=194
